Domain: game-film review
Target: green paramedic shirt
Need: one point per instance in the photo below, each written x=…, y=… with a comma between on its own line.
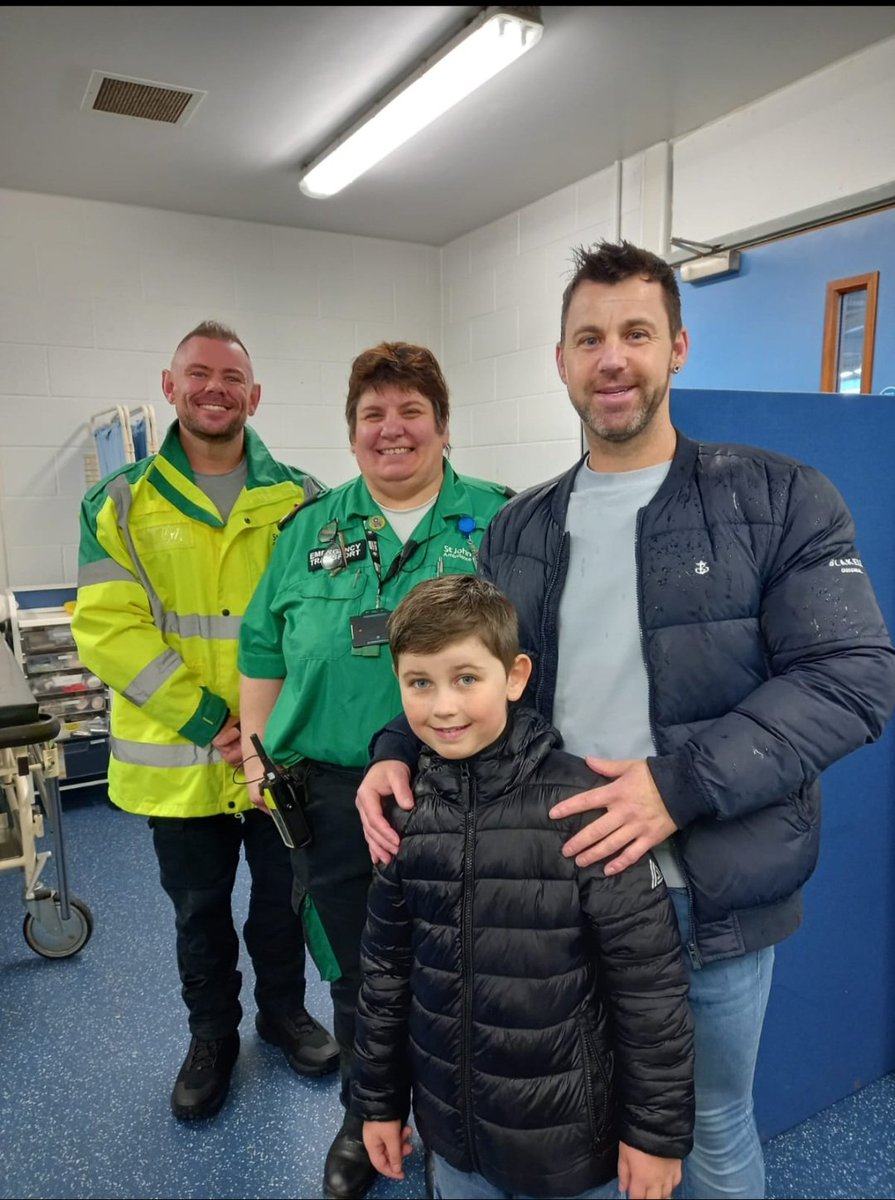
x=296, y=627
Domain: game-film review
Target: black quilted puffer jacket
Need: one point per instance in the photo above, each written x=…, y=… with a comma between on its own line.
x=536, y=1010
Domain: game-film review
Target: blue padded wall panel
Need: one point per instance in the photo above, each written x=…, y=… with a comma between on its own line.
x=830, y=1027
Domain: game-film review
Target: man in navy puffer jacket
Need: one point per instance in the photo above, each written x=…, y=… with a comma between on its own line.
x=703, y=629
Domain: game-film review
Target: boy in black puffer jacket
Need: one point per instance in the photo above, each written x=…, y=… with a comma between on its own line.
x=535, y=1012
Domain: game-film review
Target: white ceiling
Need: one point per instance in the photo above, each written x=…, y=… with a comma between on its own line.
x=603, y=83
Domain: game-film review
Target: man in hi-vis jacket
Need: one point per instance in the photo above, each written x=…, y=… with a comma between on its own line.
x=171, y=550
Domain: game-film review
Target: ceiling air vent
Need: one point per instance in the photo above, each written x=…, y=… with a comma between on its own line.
x=141, y=98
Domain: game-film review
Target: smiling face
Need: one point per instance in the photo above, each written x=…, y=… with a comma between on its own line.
x=455, y=699
x=211, y=386
x=616, y=359
x=398, y=446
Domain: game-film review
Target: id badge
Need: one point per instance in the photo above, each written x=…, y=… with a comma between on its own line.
x=370, y=628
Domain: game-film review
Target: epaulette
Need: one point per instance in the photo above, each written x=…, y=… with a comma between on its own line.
x=488, y=485
x=284, y=521
x=499, y=489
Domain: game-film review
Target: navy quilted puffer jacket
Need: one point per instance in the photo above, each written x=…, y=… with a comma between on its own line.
x=538, y=1009
x=767, y=657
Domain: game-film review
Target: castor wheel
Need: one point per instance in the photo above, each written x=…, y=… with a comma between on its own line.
x=67, y=938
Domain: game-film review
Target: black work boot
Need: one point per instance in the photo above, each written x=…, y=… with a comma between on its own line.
x=204, y=1078
x=348, y=1173
x=308, y=1047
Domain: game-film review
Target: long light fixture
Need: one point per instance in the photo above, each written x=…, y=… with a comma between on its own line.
x=490, y=42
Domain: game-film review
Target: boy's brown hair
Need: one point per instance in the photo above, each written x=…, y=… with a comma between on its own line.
x=440, y=611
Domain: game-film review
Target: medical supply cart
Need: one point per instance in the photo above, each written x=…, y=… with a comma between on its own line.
x=42, y=641
x=56, y=924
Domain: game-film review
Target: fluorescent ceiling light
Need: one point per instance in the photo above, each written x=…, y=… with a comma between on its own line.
x=494, y=39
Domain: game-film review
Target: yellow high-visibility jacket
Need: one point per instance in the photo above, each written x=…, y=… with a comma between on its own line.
x=162, y=586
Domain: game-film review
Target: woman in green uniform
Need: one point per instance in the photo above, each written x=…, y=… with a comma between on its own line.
x=316, y=672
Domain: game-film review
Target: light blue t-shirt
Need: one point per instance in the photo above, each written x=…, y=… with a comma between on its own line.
x=601, y=706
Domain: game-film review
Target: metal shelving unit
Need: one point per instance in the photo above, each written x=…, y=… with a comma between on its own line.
x=43, y=644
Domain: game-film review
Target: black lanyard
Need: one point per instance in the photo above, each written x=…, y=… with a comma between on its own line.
x=407, y=550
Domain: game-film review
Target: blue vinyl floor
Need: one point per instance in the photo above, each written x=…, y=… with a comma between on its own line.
x=91, y=1045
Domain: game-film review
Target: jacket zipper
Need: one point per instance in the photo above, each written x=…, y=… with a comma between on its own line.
x=589, y=1090
x=690, y=944
x=546, y=640
x=466, y=942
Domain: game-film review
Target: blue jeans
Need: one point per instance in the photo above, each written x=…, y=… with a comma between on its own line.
x=728, y=1000
x=451, y=1184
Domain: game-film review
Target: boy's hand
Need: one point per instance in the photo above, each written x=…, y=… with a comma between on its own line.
x=644, y=1176
x=391, y=777
x=635, y=820
x=387, y=1145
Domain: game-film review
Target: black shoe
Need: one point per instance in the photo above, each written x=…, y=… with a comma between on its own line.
x=348, y=1173
x=309, y=1048
x=204, y=1079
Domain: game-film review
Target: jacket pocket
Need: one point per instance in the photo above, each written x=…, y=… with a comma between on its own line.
x=598, y=1091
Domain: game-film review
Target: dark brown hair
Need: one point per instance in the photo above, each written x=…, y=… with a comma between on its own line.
x=410, y=368
x=438, y=612
x=610, y=262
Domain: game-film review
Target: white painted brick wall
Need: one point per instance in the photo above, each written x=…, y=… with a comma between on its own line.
x=94, y=298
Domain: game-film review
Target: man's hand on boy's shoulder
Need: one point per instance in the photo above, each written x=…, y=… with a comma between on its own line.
x=387, y=778
x=635, y=819
x=643, y=1176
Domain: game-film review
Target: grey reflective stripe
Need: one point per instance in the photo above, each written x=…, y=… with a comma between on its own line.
x=146, y=754
x=107, y=570
x=216, y=629
x=143, y=686
x=213, y=629
x=120, y=493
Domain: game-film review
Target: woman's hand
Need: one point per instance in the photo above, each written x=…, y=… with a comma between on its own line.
x=257, y=698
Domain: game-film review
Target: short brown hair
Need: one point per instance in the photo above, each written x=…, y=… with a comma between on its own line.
x=440, y=611
x=214, y=330
x=611, y=262
x=410, y=368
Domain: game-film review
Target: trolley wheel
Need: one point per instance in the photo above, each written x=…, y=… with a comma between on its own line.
x=72, y=937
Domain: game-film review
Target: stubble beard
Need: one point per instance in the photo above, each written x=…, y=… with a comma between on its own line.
x=640, y=418
x=229, y=433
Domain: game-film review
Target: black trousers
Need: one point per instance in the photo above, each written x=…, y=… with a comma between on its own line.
x=198, y=859
x=335, y=871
